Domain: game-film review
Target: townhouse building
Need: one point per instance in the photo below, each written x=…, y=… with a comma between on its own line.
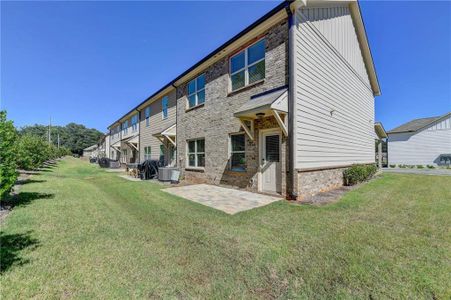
x=283, y=107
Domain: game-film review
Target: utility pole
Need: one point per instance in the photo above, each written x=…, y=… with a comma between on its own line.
x=58, y=140
x=50, y=124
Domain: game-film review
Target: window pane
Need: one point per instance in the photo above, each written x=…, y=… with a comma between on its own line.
x=192, y=100
x=200, y=146
x=191, y=146
x=238, y=162
x=201, y=82
x=201, y=160
x=237, y=142
x=201, y=97
x=191, y=87
x=191, y=160
x=257, y=72
x=237, y=62
x=256, y=52
x=272, y=148
x=237, y=80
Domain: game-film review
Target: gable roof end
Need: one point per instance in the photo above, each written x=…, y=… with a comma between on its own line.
x=417, y=124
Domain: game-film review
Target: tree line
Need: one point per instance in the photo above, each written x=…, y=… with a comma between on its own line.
x=28, y=148
x=75, y=137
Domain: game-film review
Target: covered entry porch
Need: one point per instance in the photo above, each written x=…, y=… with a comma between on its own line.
x=264, y=119
x=168, y=139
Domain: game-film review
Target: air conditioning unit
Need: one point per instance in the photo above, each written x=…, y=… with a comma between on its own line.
x=165, y=173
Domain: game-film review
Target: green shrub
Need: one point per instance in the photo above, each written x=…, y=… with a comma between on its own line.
x=392, y=166
x=431, y=166
x=32, y=152
x=410, y=166
x=8, y=139
x=420, y=166
x=358, y=173
x=402, y=166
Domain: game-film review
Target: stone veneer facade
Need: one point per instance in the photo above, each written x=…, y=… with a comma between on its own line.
x=317, y=181
x=214, y=120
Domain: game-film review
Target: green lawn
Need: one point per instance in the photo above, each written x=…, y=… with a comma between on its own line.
x=81, y=232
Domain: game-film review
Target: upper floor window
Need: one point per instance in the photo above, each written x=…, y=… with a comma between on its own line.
x=118, y=131
x=147, y=115
x=125, y=127
x=248, y=66
x=196, y=91
x=135, y=123
x=164, y=107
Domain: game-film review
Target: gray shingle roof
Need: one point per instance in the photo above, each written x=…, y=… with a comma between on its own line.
x=415, y=124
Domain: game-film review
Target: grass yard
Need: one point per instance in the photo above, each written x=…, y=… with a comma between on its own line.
x=81, y=232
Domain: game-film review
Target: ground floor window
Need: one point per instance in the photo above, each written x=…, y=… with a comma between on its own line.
x=196, y=153
x=237, y=152
x=147, y=153
x=124, y=156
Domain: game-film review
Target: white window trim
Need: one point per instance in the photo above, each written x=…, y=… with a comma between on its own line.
x=231, y=152
x=195, y=154
x=163, y=117
x=195, y=92
x=245, y=68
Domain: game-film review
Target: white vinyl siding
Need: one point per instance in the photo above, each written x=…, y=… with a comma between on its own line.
x=423, y=147
x=156, y=124
x=334, y=107
x=335, y=24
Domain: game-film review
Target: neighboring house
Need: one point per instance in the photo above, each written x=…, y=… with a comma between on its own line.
x=104, y=146
x=283, y=107
x=381, y=144
x=91, y=151
x=124, y=138
x=425, y=141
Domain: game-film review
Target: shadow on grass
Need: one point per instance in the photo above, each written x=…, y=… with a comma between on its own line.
x=11, y=246
x=26, y=181
x=25, y=198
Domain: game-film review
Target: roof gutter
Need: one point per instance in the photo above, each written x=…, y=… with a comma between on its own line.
x=268, y=15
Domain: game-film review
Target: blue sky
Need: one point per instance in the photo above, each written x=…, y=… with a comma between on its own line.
x=90, y=62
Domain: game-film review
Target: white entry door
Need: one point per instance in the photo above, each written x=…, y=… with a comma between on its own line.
x=270, y=163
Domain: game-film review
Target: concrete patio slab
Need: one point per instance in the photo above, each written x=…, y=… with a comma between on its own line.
x=227, y=200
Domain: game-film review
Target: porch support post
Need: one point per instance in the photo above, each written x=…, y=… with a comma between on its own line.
x=379, y=154
x=131, y=144
x=249, y=131
x=171, y=140
x=280, y=122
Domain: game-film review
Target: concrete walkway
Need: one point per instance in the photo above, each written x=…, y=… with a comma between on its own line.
x=228, y=200
x=439, y=172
